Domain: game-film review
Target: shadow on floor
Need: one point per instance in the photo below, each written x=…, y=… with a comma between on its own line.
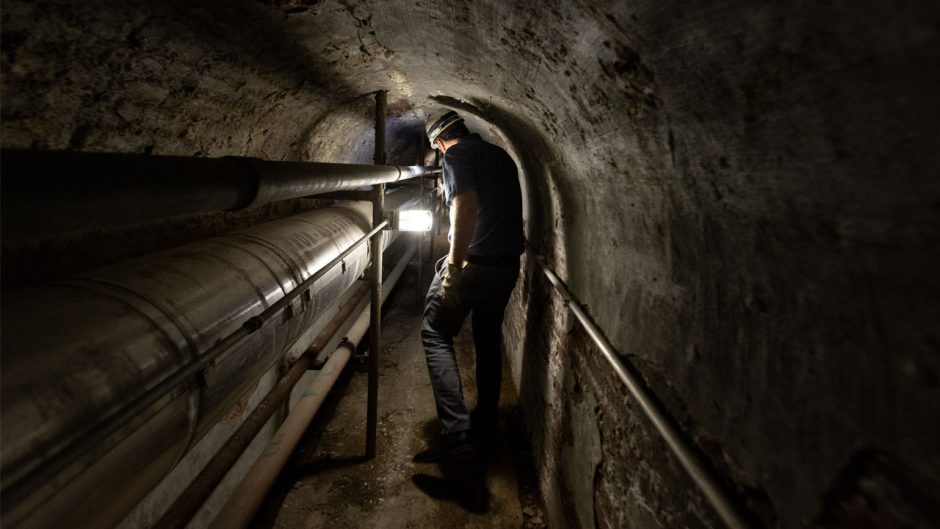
x=469, y=491
x=461, y=480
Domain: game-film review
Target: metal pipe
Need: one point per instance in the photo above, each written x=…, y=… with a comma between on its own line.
x=375, y=328
x=425, y=170
x=125, y=415
x=51, y=193
x=246, y=499
x=728, y=510
x=123, y=330
x=189, y=502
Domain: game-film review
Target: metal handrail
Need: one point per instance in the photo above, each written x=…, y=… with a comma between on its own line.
x=727, y=508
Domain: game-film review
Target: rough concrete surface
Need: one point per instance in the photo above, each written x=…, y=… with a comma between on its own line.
x=743, y=194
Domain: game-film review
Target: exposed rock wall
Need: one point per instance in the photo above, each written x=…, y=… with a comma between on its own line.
x=746, y=208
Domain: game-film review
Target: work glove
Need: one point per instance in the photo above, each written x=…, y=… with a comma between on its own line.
x=450, y=286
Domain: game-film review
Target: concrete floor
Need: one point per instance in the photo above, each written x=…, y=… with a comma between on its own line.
x=329, y=484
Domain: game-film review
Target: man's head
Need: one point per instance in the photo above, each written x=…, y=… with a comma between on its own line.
x=444, y=128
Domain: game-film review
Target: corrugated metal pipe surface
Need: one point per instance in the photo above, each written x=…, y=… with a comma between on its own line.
x=75, y=351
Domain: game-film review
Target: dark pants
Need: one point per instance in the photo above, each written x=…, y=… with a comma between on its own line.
x=484, y=290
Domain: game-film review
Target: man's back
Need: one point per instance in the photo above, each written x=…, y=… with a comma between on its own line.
x=473, y=164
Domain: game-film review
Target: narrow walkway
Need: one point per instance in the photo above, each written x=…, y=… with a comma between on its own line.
x=329, y=484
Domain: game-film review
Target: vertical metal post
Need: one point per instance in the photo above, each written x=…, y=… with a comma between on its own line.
x=436, y=219
x=420, y=236
x=433, y=233
x=375, y=279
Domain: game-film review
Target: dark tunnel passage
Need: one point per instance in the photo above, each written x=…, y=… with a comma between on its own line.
x=743, y=196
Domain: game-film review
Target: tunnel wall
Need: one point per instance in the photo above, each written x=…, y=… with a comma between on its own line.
x=742, y=194
x=748, y=208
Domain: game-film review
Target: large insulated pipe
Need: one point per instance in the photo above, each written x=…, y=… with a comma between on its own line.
x=76, y=352
x=245, y=501
x=51, y=193
x=189, y=502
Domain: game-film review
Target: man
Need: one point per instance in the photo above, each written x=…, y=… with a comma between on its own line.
x=481, y=186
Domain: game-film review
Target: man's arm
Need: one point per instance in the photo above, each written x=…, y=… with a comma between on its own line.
x=463, y=220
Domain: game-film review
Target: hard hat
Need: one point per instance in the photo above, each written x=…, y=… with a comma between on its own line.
x=439, y=121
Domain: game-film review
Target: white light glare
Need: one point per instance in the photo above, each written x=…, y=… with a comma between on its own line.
x=414, y=220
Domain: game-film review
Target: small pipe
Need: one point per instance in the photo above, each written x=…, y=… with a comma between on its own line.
x=246, y=499
x=51, y=193
x=732, y=515
x=425, y=171
x=375, y=328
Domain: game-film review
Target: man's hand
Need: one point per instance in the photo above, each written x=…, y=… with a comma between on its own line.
x=450, y=286
x=463, y=222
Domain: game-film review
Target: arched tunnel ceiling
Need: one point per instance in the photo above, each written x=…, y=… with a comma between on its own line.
x=287, y=79
x=740, y=190
x=276, y=73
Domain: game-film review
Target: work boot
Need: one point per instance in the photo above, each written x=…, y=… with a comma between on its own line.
x=449, y=445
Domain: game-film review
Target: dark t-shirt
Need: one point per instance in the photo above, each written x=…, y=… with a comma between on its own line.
x=475, y=165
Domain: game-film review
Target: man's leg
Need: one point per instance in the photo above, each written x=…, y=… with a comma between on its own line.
x=441, y=324
x=487, y=339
